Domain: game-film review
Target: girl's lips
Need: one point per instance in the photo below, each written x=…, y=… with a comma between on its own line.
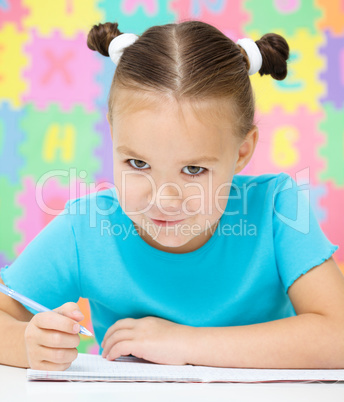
x=166, y=223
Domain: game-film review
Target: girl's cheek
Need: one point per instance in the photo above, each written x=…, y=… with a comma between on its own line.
x=194, y=204
x=196, y=200
x=210, y=201
x=134, y=194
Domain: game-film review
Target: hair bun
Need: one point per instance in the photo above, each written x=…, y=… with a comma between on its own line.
x=275, y=52
x=101, y=35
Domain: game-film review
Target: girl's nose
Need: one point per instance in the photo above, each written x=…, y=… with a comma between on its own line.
x=169, y=197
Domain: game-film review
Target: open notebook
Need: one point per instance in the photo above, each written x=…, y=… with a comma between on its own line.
x=89, y=367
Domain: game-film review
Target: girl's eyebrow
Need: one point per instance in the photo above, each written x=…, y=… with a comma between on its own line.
x=125, y=150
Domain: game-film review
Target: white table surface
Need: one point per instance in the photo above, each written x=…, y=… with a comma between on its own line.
x=14, y=387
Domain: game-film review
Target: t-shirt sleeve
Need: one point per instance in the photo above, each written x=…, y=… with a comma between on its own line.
x=300, y=244
x=47, y=270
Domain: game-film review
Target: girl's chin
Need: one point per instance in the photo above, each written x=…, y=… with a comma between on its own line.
x=172, y=247
x=170, y=239
x=165, y=240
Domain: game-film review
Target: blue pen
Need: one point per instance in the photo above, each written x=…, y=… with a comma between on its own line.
x=30, y=303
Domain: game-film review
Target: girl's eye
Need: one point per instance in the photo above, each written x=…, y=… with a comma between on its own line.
x=137, y=163
x=194, y=171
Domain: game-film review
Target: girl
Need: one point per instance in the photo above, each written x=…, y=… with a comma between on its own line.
x=184, y=261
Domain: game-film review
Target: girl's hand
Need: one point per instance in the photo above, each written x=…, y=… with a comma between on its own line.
x=149, y=338
x=51, y=339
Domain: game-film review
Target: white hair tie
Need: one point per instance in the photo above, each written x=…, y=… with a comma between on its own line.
x=118, y=44
x=253, y=54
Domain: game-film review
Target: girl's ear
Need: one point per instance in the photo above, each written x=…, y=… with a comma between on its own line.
x=107, y=118
x=246, y=149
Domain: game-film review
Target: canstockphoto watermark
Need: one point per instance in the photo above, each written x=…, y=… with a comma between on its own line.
x=240, y=228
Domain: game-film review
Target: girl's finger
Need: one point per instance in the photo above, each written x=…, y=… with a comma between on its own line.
x=57, y=339
x=59, y=355
x=118, y=336
x=126, y=323
x=123, y=348
x=53, y=320
x=49, y=366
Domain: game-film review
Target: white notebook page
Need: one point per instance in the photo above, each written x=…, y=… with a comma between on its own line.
x=95, y=368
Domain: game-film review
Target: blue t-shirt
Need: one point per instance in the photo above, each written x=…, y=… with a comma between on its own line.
x=267, y=237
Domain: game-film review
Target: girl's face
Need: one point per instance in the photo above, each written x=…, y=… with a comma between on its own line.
x=170, y=167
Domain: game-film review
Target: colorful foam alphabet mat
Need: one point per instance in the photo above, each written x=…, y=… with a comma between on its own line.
x=53, y=103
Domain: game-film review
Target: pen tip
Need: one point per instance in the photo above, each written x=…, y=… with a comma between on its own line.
x=89, y=333
x=85, y=331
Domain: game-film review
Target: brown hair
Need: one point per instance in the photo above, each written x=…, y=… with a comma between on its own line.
x=189, y=61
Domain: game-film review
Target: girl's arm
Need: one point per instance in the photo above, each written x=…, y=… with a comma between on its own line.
x=14, y=318
x=312, y=339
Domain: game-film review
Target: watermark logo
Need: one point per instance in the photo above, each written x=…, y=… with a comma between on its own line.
x=302, y=221
x=241, y=228
x=238, y=200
